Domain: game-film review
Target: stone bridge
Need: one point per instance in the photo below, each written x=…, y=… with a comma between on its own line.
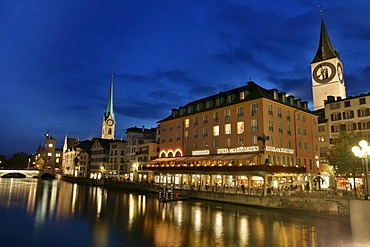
x=27, y=173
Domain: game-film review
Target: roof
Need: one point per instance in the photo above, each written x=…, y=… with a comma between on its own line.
x=251, y=91
x=325, y=50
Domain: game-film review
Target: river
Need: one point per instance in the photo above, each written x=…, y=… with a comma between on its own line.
x=36, y=212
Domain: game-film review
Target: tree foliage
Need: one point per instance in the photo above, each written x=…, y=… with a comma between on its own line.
x=16, y=161
x=341, y=157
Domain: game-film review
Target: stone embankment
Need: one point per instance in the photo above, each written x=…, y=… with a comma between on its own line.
x=317, y=203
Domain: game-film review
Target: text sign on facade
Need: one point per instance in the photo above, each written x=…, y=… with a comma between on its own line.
x=279, y=150
x=237, y=150
x=200, y=152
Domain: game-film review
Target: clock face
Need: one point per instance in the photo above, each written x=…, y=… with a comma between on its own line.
x=110, y=122
x=340, y=72
x=324, y=72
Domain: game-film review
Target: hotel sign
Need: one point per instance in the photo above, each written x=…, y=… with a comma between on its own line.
x=237, y=150
x=279, y=150
x=200, y=152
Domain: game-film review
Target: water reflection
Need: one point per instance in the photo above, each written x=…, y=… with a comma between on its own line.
x=93, y=216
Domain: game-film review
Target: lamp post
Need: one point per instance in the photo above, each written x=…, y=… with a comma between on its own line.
x=363, y=153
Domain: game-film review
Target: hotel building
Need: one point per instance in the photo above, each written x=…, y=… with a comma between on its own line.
x=242, y=136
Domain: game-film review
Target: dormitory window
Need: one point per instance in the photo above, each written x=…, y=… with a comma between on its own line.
x=228, y=98
x=280, y=128
x=241, y=95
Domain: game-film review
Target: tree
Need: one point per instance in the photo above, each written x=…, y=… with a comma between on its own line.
x=18, y=161
x=341, y=157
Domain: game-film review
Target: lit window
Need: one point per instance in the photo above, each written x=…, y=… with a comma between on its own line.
x=241, y=95
x=216, y=130
x=240, y=127
x=50, y=154
x=187, y=122
x=227, y=129
x=227, y=142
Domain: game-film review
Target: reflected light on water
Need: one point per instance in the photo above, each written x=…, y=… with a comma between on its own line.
x=197, y=215
x=243, y=230
x=31, y=201
x=99, y=201
x=74, y=196
x=132, y=211
x=218, y=225
x=53, y=198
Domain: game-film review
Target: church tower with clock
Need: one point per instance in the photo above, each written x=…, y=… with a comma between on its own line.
x=326, y=71
x=109, y=122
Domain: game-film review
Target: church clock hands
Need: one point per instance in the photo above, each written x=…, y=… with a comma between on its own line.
x=340, y=72
x=324, y=72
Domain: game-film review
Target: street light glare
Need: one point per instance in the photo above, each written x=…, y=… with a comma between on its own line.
x=356, y=151
x=363, y=143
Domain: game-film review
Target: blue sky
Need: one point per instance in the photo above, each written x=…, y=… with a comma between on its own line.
x=56, y=58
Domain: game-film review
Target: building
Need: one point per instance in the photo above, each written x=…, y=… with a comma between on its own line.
x=146, y=152
x=246, y=135
x=327, y=71
x=109, y=122
x=76, y=157
x=116, y=165
x=48, y=157
x=134, y=137
x=349, y=114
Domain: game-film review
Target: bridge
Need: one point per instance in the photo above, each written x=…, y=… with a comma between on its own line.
x=27, y=173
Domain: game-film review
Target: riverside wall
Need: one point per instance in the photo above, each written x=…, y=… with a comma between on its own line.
x=316, y=203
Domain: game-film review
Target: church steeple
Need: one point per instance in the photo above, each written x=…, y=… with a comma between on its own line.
x=325, y=50
x=327, y=71
x=109, y=111
x=109, y=122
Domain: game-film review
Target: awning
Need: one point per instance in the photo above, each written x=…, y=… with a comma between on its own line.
x=205, y=157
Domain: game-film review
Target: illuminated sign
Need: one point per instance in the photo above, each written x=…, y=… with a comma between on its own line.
x=280, y=150
x=237, y=150
x=200, y=152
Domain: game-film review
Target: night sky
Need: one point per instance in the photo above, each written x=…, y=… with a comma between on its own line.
x=57, y=56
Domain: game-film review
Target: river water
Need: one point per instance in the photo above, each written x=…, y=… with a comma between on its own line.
x=55, y=213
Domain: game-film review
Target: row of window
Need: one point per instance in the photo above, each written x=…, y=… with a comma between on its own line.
x=227, y=116
x=338, y=105
x=228, y=130
x=350, y=127
x=350, y=114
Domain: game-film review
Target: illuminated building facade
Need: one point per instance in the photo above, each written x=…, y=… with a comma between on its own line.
x=135, y=138
x=76, y=157
x=109, y=121
x=48, y=157
x=245, y=132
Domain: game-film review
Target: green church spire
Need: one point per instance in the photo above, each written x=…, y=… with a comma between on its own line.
x=109, y=111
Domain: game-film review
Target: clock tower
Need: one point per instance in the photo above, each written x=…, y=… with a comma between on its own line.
x=109, y=122
x=326, y=71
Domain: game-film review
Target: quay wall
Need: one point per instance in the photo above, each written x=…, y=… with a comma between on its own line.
x=316, y=204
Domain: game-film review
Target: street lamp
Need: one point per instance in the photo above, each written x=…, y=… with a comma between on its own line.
x=363, y=153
